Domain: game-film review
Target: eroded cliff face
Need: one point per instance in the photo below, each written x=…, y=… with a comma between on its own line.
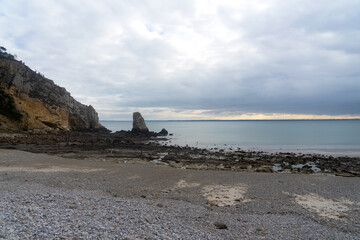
x=42, y=104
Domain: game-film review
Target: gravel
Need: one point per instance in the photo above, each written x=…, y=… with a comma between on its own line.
x=30, y=208
x=33, y=211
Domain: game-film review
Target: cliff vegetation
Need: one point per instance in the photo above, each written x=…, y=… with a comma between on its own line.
x=7, y=107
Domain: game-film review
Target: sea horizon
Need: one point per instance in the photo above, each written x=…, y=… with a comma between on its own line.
x=235, y=120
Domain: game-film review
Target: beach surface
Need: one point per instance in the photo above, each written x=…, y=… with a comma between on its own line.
x=44, y=196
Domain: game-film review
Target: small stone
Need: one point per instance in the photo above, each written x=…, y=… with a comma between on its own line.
x=73, y=206
x=219, y=225
x=211, y=203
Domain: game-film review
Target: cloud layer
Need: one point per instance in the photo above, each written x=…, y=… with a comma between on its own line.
x=194, y=59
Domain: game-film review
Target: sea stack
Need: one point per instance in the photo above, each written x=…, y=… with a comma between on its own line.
x=139, y=123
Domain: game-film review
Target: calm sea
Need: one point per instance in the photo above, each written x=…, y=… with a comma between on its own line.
x=325, y=136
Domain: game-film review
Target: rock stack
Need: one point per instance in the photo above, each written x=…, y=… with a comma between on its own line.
x=139, y=125
x=140, y=128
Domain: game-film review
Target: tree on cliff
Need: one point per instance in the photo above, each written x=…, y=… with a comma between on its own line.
x=5, y=54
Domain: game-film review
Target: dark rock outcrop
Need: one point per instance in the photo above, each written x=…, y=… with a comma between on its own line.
x=139, y=123
x=163, y=132
x=42, y=104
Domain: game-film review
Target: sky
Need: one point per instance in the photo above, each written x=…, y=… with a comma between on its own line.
x=194, y=59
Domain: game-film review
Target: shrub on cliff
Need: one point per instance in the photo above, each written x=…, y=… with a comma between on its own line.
x=5, y=54
x=7, y=107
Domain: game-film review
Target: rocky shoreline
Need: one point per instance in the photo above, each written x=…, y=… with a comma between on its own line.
x=128, y=146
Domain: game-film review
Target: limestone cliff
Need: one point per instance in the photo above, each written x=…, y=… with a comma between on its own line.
x=28, y=100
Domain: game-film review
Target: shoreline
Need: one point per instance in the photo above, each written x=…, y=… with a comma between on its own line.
x=328, y=150
x=126, y=147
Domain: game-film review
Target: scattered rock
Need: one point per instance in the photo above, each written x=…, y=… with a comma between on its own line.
x=84, y=144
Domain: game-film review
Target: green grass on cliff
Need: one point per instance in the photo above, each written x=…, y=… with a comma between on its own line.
x=7, y=107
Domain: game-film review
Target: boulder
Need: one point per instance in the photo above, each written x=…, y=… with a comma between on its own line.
x=163, y=132
x=139, y=123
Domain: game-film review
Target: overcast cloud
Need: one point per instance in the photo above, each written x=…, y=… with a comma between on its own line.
x=193, y=59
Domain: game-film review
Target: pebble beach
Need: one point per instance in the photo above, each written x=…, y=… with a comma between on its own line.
x=49, y=197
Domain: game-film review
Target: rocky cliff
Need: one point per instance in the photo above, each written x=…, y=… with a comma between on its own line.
x=28, y=101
